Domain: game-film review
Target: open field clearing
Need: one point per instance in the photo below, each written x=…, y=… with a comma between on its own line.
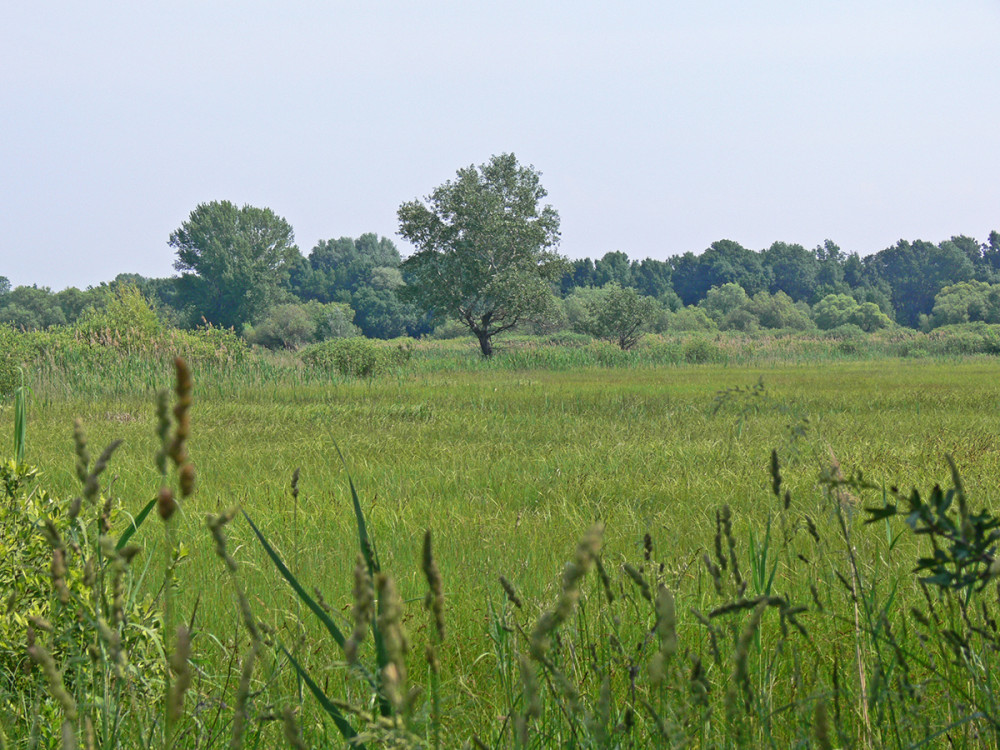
x=510, y=468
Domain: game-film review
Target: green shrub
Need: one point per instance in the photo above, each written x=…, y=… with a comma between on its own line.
x=699, y=351
x=845, y=332
x=451, y=329
x=10, y=375
x=285, y=327
x=127, y=320
x=87, y=618
x=359, y=357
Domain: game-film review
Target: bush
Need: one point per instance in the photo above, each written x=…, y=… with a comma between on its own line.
x=60, y=616
x=359, y=357
x=692, y=318
x=834, y=310
x=285, y=327
x=845, y=332
x=10, y=375
x=128, y=321
x=965, y=338
x=566, y=338
x=699, y=351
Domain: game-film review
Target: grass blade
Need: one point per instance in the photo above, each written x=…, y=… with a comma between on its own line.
x=367, y=545
x=371, y=560
x=331, y=626
x=338, y=718
x=134, y=527
x=20, y=421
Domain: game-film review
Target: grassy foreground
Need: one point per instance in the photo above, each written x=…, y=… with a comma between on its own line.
x=509, y=469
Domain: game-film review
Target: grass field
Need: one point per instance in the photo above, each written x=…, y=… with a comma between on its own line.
x=509, y=467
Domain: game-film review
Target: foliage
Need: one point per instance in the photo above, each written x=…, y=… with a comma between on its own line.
x=483, y=248
x=284, y=327
x=698, y=350
x=723, y=300
x=237, y=259
x=127, y=320
x=916, y=272
x=794, y=271
x=10, y=374
x=347, y=265
x=967, y=338
x=692, y=319
x=93, y=640
x=833, y=311
x=358, y=357
x=619, y=314
x=969, y=301
x=724, y=262
x=963, y=543
x=777, y=311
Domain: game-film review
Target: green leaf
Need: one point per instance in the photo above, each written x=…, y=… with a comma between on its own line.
x=367, y=546
x=331, y=626
x=371, y=559
x=346, y=730
x=136, y=523
x=877, y=514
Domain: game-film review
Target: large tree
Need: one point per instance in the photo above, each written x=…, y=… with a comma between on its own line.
x=916, y=272
x=238, y=259
x=484, y=248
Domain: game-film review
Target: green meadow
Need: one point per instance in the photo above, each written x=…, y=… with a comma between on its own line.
x=509, y=465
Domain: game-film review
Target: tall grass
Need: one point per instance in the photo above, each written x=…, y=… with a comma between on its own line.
x=779, y=619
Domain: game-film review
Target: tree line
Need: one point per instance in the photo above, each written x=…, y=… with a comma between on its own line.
x=485, y=259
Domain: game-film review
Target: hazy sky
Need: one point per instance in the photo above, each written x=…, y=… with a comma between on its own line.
x=658, y=126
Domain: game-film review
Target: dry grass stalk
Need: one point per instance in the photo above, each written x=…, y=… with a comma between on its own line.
x=666, y=632
x=54, y=677
x=434, y=600
x=216, y=525
x=181, y=666
x=639, y=581
x=390, y=625
x=821, y=724
x=363, y=611
x=532, y=700
x=574, y=572
x=740, y=680
x=290, y=729
x=511, y=592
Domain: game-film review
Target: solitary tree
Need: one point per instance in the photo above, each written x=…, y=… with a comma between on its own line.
x=619, y=314
x=239, y=259
x=483, y=248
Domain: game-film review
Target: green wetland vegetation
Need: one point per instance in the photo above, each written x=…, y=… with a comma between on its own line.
x=660, y=547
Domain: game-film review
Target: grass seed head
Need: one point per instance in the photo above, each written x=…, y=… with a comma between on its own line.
x=181, y=667
x=434, y=601
x=165, y=503
x=54, y=677
x=511, y=592
x=363, y=611
x=185, y=478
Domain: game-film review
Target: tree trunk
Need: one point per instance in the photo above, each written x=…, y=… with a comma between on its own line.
x=485, y=343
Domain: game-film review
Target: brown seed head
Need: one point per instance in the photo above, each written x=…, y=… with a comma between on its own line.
x=186, y=479
x=165, y=503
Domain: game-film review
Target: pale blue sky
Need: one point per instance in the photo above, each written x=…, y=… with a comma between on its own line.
x=658, y=127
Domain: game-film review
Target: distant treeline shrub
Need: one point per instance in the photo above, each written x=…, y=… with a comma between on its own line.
x=291, y=326
x=359, y=357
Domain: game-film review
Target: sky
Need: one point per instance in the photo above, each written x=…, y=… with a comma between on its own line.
x=658, y=127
